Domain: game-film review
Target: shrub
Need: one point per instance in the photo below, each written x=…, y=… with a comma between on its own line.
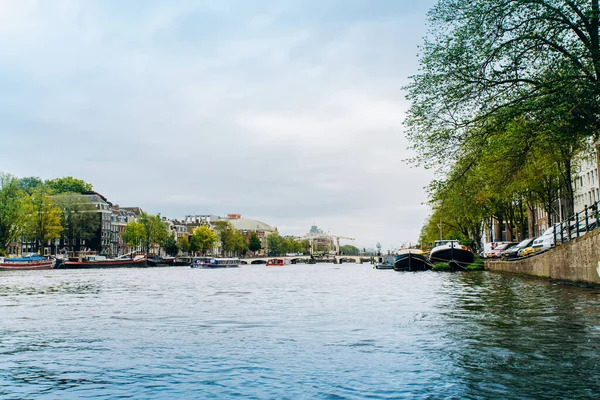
x=477, y=265
x=441, y=267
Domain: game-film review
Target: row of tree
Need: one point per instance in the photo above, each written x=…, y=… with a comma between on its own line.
x=40, y=211
x=506, y=102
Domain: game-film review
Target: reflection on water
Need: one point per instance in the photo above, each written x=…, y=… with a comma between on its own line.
x=308, y=331
x=527, y=329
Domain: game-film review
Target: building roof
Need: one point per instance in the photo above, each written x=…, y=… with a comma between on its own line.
x=135, y=210
x=96, y=197
x=245, y=224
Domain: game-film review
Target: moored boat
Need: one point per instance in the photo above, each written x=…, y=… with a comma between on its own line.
x=95, y=261
x=412, y=260
x=216, y=263
x=26, y=263
x=278, y=262
x=161, y=261
x=452, y=252
x=386, y=262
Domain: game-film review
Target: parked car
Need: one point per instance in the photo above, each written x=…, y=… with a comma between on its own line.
x=497, y=251
x=543, y=242
x=526, y=250
x=513, y=252
x=546, y=240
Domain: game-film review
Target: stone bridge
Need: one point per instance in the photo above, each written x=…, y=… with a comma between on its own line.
x=305, y=259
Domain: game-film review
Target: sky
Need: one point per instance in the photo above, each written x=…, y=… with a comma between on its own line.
x=289, y=112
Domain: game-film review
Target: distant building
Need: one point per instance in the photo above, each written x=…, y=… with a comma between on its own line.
x=194, y=221
x=320, y=242
x=178, y=228
x=120, y=217
x=103, y=239
x=247, y=226
x=314, y=229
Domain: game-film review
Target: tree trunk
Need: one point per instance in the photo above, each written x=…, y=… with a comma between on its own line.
x=568, y=185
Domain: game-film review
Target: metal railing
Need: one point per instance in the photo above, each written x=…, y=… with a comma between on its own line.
x=578, y=225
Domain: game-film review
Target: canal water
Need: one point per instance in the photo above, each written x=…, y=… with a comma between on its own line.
x=301, y=331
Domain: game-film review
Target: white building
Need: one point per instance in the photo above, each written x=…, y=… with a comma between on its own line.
x=585, y=182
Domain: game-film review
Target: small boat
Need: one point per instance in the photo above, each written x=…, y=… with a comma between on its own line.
x=386, y=262
x=216, y=263
x=161, y=261
x=278, y=262
x=26, y=263
x=412, y=260
x=183, y=261
x=452, y=252
x=96, y=261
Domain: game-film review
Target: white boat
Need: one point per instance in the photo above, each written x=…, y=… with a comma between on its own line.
x=385, y=262
x=216, y=263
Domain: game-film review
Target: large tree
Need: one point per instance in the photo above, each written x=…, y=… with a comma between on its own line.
x=484, y=57
x=29, y=183
x=240, y=246
x=68, y=184
x=511, y=86
x=79, y=218
x=155, y=230
x=349, y=250
x=226, y=233
x=12, y=213
x=134, y=235
x=184, y=244
x=489, y=63
x=254, y=243
x=203, y=239
x=275, y=245
x=291, y=245
x=43, y=217
x=171, y=245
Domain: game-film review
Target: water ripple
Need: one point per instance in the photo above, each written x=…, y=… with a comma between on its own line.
x=304, y=331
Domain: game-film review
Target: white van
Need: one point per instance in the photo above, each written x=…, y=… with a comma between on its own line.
x=546, y=240
x=543, y=243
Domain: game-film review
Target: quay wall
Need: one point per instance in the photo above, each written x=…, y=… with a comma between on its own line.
x=577, y=261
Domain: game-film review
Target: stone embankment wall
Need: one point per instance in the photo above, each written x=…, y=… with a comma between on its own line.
x=577, y=261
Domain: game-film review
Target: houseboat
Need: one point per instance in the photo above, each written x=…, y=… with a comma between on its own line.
x=452, y=252
x=216, y=263
x=26, y=263
x=161, y=261
x=412, y=260
x=385, y=262
x=96, y=261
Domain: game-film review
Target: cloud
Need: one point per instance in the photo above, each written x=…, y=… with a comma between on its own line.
x=286, y=112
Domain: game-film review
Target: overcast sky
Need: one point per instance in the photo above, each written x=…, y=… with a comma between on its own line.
x=289, y=112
